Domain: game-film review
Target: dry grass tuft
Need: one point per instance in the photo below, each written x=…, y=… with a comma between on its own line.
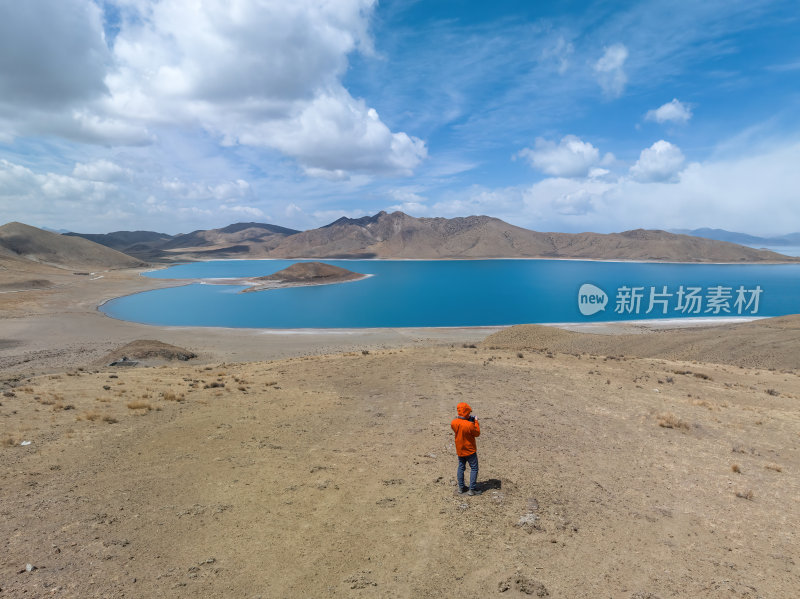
x=748, y=494
x=171, y=396
x=110, y=419
x=703, y=403
x=140, y=405
x=735, y=468
x=9, y=442
x=670, y=420
x=775, y=467
x=90, y=416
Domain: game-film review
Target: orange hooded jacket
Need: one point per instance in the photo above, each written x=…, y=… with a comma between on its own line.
x=465, y=431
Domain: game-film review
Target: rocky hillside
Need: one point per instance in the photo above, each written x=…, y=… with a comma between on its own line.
x=20, y=241
x=398, y=235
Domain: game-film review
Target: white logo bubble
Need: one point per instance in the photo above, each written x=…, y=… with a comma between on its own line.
x=591, y=299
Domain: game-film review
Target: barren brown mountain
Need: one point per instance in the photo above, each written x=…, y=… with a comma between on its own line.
x=18, y=240
x=398, y=235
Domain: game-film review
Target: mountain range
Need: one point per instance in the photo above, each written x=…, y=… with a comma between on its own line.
x=383, y=235
x=792, y=239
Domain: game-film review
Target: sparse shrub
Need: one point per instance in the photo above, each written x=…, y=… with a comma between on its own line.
x=365, y=352
x=520, y=355
x=110, y=419
x=774, y=467
x=735, y=468
x=772, y=392
x=90, y=416
x=170, y=396
x=470, y=345
x=748, y=494
x=140, y=405
x=670, y=420
x=107, y=387
x=701, y=375
x=213, y=385
x=9, y=442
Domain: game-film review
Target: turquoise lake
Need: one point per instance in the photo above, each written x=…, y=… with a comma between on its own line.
x=457, y=293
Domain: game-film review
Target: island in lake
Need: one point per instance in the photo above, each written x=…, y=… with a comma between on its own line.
x=301, y=274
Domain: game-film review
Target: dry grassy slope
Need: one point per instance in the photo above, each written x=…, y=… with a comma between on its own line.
x=333, y=477
x=767, y=343
x=62, y=251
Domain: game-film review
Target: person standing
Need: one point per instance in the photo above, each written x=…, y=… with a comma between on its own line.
x=466, y=428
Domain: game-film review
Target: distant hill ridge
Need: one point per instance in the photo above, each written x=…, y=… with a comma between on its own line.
x=398, y=235
x=741, y=238
x=20, y=241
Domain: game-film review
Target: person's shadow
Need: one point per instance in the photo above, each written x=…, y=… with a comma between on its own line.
x=492, y=483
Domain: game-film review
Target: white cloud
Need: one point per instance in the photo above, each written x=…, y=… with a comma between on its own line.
x=263, y=73
x=227, y=191
x=559, y=53
x=660, y=162
x=576, y=203
x=571, y=157
x=753, y=194
x=260, y=73
x=52, y=199
x=609, y=70
x=675, y=112
x=409, y=201
x=248, y=211
x=334, y=134
x=52, y=53
x=101, y=170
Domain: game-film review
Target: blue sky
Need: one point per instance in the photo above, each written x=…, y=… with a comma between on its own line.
x=570, y=116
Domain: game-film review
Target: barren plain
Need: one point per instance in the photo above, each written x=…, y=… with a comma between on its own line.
x=649, y=465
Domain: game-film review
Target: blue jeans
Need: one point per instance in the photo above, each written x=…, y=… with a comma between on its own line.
x=473, y=470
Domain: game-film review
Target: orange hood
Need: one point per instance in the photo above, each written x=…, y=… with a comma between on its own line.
x=463, y=409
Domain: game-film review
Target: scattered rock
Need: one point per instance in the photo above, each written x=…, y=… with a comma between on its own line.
x=361, y=580
x=524, y=585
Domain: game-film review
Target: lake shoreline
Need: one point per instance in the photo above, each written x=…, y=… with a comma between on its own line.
x=50, y=330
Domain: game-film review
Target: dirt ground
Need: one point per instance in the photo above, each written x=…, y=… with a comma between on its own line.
x=333, y=474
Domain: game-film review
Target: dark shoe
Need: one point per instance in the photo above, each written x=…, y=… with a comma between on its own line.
x=462, y=490
x=472, y=492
